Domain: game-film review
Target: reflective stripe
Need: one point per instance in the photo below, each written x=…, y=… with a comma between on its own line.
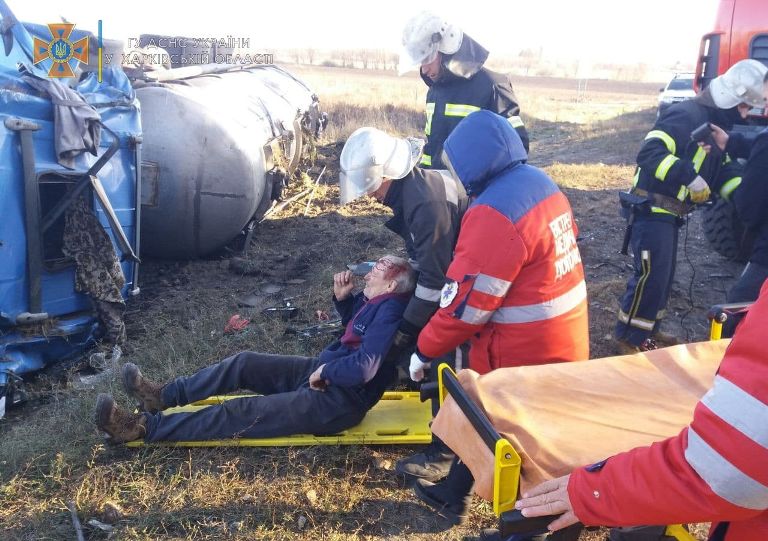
x=475, y=316
x=430, y=114
x=660, y=210
x=645, y=261
x=723, y=478
x=739, y=409
x=490, y=285
x=458, y=360
x=516, y=121
x=427, y=294
x=664, y=165
x=729, y=186
x=698, y=159
x=459, y=109
x=665, y=137
x=451, y=190
x=542, y=311
x=637, y=177
x=636, y=321
x=682, y=193
x=426, y=159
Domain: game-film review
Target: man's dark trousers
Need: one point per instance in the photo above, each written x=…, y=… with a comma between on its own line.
x=288, y=406
x=654, y=247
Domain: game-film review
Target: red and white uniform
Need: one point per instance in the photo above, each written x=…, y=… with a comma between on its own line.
x=517, y=291
x=715, y=470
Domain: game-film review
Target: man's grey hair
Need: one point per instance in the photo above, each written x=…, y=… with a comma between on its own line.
x=403, y=274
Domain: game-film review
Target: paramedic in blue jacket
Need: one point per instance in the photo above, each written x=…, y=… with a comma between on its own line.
x=299, y=395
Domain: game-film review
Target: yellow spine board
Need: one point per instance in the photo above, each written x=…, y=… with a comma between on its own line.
x=398, y=418
x=677, y=531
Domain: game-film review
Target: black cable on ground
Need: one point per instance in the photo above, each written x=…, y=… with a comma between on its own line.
x=687, y=330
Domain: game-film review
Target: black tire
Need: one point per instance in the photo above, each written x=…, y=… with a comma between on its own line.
x=725, y=231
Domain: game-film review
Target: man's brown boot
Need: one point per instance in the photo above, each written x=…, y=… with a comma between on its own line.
x=139, y=387
x=120, y=424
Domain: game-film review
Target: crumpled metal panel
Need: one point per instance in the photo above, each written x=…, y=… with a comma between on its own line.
x=69, y=328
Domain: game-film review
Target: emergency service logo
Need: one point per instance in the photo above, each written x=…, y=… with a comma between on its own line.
x=61, y=50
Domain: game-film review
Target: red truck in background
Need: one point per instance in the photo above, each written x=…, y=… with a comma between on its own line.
x=741, y=31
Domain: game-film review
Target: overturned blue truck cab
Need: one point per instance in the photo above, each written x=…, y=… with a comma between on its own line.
x=69, y=155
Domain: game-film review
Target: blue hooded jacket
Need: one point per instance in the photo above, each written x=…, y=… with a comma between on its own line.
x=482, y=147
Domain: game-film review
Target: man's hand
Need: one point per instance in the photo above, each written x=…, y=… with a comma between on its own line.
x=719, y=135
x=549, y=498
x=316, y=381
x=343, y=284
x=699, y=190
x=417, y=366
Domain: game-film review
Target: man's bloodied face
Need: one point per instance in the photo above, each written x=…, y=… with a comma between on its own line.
x=381, y=278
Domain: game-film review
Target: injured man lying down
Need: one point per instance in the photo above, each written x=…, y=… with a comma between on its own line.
x=296, y=395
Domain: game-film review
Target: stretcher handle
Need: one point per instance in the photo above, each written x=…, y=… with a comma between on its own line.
x=720, y=312
x=514, y=523
x=473, y=413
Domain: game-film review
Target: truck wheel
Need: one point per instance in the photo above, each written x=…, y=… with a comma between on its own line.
x=725, y=231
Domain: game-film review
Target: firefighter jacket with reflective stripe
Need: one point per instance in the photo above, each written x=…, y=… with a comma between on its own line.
x=427, y=207
x=516, y=288
x=452, y=98
x=669, y=159
x=751, y=197
x=715, y=470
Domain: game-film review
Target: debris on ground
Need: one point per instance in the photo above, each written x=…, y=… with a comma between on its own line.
x=236, y=323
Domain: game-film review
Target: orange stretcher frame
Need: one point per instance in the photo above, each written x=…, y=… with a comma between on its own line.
x=507, y=467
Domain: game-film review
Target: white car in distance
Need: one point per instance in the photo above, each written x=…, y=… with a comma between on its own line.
x=679, y=88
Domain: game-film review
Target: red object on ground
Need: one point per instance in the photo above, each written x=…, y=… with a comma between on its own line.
x=236, y=324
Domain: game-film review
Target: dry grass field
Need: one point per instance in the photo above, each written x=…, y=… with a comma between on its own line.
x=51, y=453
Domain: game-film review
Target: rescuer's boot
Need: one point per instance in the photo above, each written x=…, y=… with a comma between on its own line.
x=432, y=464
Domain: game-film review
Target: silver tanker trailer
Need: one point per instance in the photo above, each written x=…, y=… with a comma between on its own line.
x=218, y=146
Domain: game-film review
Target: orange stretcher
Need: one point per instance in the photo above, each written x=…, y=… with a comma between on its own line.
x=516, y=427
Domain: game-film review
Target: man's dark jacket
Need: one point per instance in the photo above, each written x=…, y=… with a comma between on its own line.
x=751, y=197
x=427, y=206
x=357, y=358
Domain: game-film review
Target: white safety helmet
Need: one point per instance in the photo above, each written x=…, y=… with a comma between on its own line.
x=369, y=156
x=742, y=83
x=424, y=36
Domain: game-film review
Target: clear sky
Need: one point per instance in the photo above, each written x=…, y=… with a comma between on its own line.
x=651, y=31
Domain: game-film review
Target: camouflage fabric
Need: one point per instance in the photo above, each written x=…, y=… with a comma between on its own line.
x=110, y=316
x=97, y=270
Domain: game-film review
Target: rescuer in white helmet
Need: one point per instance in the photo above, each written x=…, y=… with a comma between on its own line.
x=750, y=198
x=451, y=65
x=428, y=206
x=678, y=166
